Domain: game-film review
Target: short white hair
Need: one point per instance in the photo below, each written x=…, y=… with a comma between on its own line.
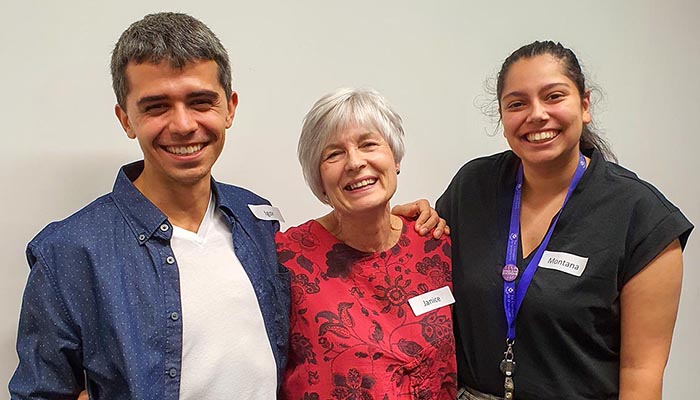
x=339, y=110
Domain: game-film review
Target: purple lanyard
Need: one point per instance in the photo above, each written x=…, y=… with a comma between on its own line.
x=512, y=296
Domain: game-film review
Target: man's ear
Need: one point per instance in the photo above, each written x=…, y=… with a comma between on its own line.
x=231, y=109
x=123, y=118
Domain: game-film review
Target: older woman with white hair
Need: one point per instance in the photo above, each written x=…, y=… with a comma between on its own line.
x=370, y=310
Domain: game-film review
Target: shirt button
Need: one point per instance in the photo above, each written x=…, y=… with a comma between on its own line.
x=164, y=227
x=174, y=316
x=172, y=372
x=170, y=260
x=142, y=237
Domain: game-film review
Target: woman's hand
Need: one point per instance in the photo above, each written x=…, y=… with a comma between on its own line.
x=427, y=217
x=649, y=304
x=83, y=396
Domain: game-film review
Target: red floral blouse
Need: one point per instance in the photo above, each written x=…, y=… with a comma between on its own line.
x=353, y=334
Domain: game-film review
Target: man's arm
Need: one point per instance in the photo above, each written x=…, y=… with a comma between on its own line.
x=649, y=304
x=48, y=344
x=426, y=217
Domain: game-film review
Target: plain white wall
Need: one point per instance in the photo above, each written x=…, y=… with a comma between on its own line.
x=430, y=59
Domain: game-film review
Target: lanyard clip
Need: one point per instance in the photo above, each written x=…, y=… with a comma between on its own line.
x=508, y=355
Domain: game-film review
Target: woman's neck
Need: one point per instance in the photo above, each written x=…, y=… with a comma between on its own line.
x=550, y=180
x=544, y=191
x=370, y=231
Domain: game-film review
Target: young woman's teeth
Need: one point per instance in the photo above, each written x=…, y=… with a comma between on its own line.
x=541, y=136
x=360, y=184
x=184, y=150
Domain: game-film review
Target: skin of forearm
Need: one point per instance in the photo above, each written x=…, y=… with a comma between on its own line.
x=640, y=383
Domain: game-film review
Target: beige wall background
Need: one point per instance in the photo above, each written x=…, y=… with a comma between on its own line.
x=63, y=145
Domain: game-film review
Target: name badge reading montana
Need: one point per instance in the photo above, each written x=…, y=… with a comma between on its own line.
x=564, y=262
x=266, y=213
x=431, y=301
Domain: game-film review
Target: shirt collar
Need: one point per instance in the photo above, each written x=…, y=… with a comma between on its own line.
x=594, y=168
x=146, y=220
x=232, y=206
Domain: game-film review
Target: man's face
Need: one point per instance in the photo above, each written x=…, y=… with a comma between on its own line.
x=179, y=117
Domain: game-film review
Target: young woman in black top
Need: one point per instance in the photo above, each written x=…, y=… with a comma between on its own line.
x=566, y=267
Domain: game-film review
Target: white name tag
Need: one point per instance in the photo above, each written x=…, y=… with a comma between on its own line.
x=431, y=301
x=564, y=262
x=266, y=213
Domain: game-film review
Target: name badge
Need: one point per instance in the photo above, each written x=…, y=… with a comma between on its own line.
x=564, y=262
x=431, y=301
x=266, y=213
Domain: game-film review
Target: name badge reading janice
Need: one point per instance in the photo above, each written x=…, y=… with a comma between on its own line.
x=564, y=262
x=431, y=301
x=266, y=213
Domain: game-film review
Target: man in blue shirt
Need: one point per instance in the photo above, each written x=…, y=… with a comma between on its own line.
x=103, y=306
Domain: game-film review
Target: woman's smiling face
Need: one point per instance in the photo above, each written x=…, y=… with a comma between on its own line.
x=358, y=170
x=542, y=111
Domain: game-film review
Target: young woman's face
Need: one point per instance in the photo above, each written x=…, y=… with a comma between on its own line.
x=542, y=111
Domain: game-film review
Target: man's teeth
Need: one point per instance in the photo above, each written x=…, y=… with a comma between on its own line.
x=362, y=183
x=184, y=150
x=540, y=136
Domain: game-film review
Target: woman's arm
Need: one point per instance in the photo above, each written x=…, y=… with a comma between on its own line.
x=649, y=305
x=427, y=217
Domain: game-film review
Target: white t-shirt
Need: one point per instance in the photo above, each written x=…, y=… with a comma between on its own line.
x=226, y=353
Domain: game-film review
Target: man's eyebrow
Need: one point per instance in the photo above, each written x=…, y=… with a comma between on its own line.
x=203, y=93
x=199, y=93
x=150, y=99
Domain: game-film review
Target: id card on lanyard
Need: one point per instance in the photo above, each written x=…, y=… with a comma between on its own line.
x=513, y=294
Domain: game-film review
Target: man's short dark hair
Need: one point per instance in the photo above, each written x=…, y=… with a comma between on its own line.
x=175, y=38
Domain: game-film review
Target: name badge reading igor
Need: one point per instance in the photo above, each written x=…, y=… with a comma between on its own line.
x=431, y=301
x=564, y=262
x=266, y=213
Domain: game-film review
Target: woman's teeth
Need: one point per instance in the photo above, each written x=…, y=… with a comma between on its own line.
x=360, y=184
x=540, y=136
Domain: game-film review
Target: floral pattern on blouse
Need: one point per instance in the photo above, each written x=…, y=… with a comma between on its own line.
x=353, y=334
